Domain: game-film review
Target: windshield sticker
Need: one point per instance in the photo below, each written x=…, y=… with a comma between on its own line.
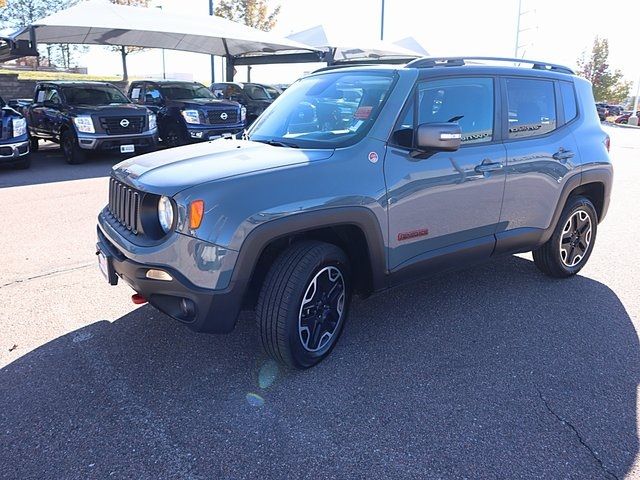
x=363, y=113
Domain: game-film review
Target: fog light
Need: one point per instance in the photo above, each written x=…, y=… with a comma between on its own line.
x=159, y=275
x=196, y=134
x=187, y=308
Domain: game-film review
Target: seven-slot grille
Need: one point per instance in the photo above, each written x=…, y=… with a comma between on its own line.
x=122, y=125
x=223, y=116
x=124, y=205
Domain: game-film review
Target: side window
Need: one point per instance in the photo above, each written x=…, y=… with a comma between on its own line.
x=568, y=101
x=53, y=96
x=41, y=95
x=467, y=101
x=532, y=107
x=152, y=95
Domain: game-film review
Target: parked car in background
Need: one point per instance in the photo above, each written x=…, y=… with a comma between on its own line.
x=87, y=117
x=614, y=110
x=188, y=111
x=14, y=138
x=358, y=180
x=601, y=108
x=256, y=97
x=624, y=117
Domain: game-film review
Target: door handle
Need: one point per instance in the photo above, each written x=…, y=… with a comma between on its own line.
x=563, y=154
x=488, y=166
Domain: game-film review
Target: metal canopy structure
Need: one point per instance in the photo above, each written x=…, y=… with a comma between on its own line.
x=100, y=22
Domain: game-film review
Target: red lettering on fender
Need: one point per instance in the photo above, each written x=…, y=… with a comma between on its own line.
x=423, y=232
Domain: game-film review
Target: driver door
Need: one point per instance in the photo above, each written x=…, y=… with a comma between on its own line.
x=444, y=207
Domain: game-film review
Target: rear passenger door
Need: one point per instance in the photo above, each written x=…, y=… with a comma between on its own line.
x=541, y=155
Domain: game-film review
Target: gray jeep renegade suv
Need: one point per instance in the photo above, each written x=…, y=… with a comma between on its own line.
x=356, y=180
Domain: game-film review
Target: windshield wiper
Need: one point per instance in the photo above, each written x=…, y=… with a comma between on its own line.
x=278, y=143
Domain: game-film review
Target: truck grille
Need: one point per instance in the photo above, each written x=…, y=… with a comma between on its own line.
x=215, y=117
x=124, y=205
x=122, y=125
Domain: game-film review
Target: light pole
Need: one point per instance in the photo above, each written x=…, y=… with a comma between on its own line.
x=213, y=57
x=382, y=22
x=164, y=70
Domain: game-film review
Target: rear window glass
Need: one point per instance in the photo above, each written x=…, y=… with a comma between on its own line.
x=532, y=107
x=568, y=101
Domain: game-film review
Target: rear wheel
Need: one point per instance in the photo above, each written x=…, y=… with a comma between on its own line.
x=571, y=244
x=304, y=303
x=73, y=154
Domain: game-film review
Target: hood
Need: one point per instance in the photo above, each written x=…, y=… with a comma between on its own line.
x=202, y=103
x=172, y=170
x=108, y=110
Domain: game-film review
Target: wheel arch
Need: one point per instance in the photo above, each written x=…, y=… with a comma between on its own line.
x=356, y=230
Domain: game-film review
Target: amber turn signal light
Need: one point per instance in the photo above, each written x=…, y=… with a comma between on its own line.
x=196, y=212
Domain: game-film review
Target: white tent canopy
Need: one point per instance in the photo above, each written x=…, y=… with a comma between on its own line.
x=100, y=22
x=344, y=49
x=412, y=44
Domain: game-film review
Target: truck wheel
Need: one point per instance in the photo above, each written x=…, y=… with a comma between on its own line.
x=571, y=244
x=304, y=303
x=174, y=137
x=73, y=154
x=34, y=144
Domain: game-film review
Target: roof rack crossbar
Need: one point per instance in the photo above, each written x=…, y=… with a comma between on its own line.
x=431, y=62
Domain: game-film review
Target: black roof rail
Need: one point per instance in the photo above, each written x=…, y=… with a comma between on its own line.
x=431, y=62
x=336, y=66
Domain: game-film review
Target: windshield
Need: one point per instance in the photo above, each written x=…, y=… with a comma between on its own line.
x=186, y=91
x=256, y=92
x=94, y=95
x=272, y=92
x=324, y=111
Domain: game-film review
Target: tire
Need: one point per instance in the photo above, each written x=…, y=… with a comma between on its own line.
x=571, y=244
x=34, y=144
x=24, y=163
x=299, y=321
x=174, y=137
x=73, y=154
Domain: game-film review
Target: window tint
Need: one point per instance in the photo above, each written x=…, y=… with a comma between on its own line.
x=532, y=107
x=465, y=101
x=568, y=101
x=53, y=96
x=151, y=94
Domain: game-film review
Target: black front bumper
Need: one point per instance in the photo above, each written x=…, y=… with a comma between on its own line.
x=203, y=310
x=203, y=134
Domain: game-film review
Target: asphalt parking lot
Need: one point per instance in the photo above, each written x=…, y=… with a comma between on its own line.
x=493, y=372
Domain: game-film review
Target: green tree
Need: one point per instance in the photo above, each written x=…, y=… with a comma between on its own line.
x=608, y=84
x=123, y=50
x=254, y=13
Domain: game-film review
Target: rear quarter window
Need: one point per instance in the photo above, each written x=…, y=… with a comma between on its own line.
x=568, y=101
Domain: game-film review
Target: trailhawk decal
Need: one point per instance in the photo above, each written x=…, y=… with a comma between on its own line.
x=423, y=232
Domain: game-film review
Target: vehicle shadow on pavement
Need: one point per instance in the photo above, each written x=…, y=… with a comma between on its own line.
x=496, y=371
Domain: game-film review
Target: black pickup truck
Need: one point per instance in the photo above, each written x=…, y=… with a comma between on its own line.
x=89, y=116
x=14, y=140
x=187, y=111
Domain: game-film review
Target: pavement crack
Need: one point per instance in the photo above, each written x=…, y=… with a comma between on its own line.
x=48, y=274
x=577, y=433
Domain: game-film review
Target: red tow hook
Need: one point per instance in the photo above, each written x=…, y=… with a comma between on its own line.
x=138, y=299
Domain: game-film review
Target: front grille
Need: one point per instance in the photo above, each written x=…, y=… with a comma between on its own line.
x=124, y=205
x=215, y=117
x=122, y=125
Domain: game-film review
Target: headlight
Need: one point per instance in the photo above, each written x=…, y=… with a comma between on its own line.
x=165, y=213
x=84, y=124
x=19, y=127
x=191, y=116
x=153, y=123
x=243, y=114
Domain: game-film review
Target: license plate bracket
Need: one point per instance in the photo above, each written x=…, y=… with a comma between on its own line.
x=106, y=266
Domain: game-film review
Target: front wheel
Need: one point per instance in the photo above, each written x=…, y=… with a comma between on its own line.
x=571, y=244
x=73, y=154
x=303, y=303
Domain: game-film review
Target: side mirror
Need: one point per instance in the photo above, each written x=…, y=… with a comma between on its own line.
x=439, y=136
